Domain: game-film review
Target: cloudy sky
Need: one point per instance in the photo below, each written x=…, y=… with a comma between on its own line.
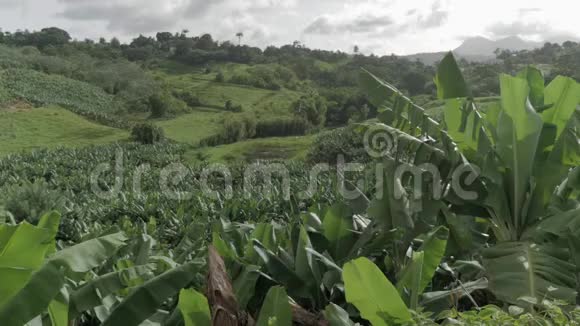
x=376, y=26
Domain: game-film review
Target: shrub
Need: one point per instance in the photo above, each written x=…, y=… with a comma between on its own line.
x=189, y=98
x=235, y=128
x=343, y=141
x=220, y=77
x=282, y=127
x=159, y=105
x=147, y=134
x=311, y=107
x=230, y=106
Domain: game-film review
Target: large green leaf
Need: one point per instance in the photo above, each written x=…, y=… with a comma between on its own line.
x=526, y=270
x=519, y=129
x=145, y=299
x=44, y=285
x=563, y=94
x=276, y=309
x=424, y=266
x=372, y=294
x=22, y=252
x=336, y=316
x=58, y=310
x=398, y=111
x=90, y=254
x=338, y=228
x=443, y=300
x=306, y=265
x=535, y=80
x=449, y=79
x=92, y=293
x=34, y=297
x=245, y=284
x=389, y=209
x=281, y=272
x=194, y=308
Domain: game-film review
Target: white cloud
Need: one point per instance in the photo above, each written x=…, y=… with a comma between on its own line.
x=380, y=26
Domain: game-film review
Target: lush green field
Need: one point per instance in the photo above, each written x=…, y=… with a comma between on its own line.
x=27, y=129
x=192, y=127
x=284, y=148
x=264, y=103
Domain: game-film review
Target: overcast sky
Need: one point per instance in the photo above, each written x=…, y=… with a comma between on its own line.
x=376, y=26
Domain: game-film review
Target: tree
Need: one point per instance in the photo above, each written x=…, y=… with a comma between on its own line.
x=147, y=134
x=50, y=36
x=163, y=37
x=239, y=35
x=356, y=49
x=205, y=42
x=142, y=41
x=414, y=82
x=115, y=43
x=159, y=105
x=312, y=108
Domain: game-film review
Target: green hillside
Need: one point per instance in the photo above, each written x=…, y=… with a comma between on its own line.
x=28, y=129
x=276, y=148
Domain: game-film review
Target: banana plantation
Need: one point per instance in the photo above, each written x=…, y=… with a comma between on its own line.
x=498, y=244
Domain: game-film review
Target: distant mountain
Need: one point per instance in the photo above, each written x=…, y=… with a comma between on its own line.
x=479, y=49
x=481, y=46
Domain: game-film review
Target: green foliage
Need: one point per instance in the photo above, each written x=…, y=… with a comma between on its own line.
x=281, y=127
x=32, y=199
x=276, y=309
x=193, y=305
x=374, y=296
x=268, y=77
x=147, y=133
x=235, y=128
x=329, y=145
x=231, y=107
x=159, y=105
x=43, y=90
x=312, y=108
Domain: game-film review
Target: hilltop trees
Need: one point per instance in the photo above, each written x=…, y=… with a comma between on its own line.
x=312, y=108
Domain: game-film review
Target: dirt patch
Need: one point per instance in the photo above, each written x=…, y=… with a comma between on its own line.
x=19, y=106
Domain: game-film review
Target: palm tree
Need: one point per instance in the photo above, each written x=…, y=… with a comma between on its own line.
x=239, y=35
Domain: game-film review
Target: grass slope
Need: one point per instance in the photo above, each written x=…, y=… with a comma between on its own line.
x=192, y=127
x=284, y=148
x=43, y=89
x=28, y=129
x=264, y=103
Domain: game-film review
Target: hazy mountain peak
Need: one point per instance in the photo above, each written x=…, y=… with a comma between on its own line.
x=481, y=46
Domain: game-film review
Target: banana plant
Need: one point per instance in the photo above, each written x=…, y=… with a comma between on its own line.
x=526, y=147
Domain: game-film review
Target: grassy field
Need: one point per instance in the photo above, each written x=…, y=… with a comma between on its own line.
x=28, y=129
x=264, y=103
x=284, y=148
x=193, y=127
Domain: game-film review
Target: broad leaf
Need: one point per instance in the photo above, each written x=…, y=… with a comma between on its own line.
x=276, y=309
x=449, y=79
x=336, y=316
x=90, y=254
x=194, y=308
x=91, y=294
x=519, y=129
x=535, y=80
x=145, y=299
x=526, y=270
x=417, y=276
x=372, y=294
x=338, y=228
